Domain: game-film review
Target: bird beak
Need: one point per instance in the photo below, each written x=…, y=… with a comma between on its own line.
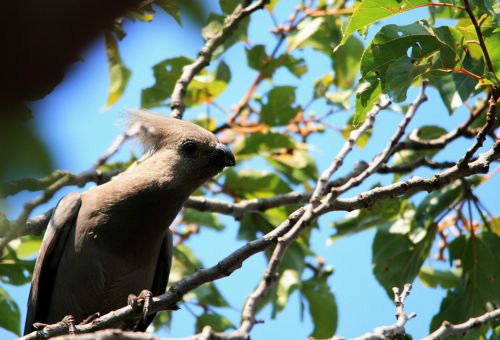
x=227, y=154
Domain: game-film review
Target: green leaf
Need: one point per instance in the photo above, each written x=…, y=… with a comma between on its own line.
x=219, y=323
x=11, y=316
x=208, y=295
x=418, y=40
x=478, y=290
x=26, y=154
x=205, y=86
x=252, y=224
x=166, y=74
x=321, y=34
x=262, y=143
x=367, y=12
x=367, y=95
x=456, y=88
x=340, y=99
x=322, y=85
x=397, y=260
x=258, y=60
x=119, y=74
x=15, y=271
x=278, y=110
x=290, y=275
x=172, y=8
x=184, y=263
x=446, y=279
x=252, y=183
x=350, y=126
x=381, y=215
x=206, y=219
x=305, y=30
x=228, y=6
x=322, y=307
x=346, y=62
x=27, y=246
x=401, y=74
x=214, y=26
x=297, y=165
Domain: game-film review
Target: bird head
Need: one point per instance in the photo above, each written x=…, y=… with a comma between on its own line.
x=185, y=150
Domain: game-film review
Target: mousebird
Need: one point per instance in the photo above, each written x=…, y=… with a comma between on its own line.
x=105, y=245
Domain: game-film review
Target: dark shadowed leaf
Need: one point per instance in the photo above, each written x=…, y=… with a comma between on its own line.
x=478, y=290
x=381, y=215
x=367, y=94
x=346, y=61
x=279, y=110
x=401, y=74
x=200, y=218
x=208, y=295
x=219, y=323
x=214, y=26
x=166, y=74
x=397, y=260
x=171, y=7
x=10, y=315
x=262, y=143
x=322, y=307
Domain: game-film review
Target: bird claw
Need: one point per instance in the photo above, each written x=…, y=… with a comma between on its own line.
x=145, y=298
x=69, y=320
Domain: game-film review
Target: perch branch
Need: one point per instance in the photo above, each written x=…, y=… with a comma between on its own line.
x=448, y=328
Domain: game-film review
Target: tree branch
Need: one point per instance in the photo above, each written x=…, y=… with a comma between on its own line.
x=205, y=54
x=385, y=154
x=398, y=328
x=322, y=183
x=448, y=329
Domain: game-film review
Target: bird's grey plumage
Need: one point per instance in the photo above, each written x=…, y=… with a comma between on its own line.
x=113, y=240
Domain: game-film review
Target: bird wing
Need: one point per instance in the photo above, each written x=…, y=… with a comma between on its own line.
x=161, y=276
x=60, y=225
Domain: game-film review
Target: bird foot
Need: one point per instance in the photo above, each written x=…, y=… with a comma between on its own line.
x=69, y=320
x=145, y=299
x=90, y=318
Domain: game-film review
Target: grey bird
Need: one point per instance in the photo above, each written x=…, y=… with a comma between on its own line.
x=113, y=240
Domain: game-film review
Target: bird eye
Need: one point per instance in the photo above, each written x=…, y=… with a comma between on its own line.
x=189, y=147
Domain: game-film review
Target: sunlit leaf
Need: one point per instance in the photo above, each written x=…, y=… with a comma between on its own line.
x=367, y=12
x=431, y=277
x=119, y=74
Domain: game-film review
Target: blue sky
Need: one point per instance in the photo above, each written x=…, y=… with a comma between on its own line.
x=77, y=130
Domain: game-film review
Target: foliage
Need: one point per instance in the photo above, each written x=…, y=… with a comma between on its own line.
x=277, y=126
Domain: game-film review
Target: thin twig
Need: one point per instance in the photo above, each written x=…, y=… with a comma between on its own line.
x=189, y=71
x=479, y=36
x=382, y=157
x=398, y=328
x=321, y=185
